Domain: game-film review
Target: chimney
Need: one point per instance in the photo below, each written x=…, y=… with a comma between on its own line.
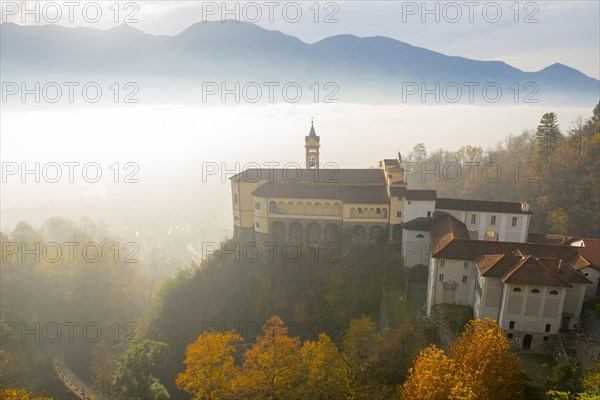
x=524, y=206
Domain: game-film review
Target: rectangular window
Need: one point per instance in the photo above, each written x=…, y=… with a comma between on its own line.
x=511, y=325
x=442, y=262
x=441, y=277
x=546, y=338
x=466, y=264
x=398, y=214
x=429, y=213
x=464, y=279
x=473, y=218
x=257, y=224
x=409, y=203
x=378, y=210
x=548, y=326
x=493, y=220
x=256, y=205
x=514, y=221
x=510, y=336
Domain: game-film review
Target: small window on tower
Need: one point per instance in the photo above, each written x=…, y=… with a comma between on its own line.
x=398, y=214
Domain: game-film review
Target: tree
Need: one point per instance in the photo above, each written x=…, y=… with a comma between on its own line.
x=324, y=374
x=481, y=367
x=547, y=135
x=271, y=369
x=20, y=394
x=133, y=378
x=483, y=351
x=210, y=366
x=419, y=152
x=392, y=359
x=359, y=344
x=432, y=376
x=591, y=381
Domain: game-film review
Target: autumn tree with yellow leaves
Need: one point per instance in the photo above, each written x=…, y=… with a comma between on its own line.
x=275, y=367
x=272, y=366
x=210, y=366
x=324, y=374
x=480, y=367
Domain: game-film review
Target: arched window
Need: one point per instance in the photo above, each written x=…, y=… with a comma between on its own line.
x=516, y=290
x=273, y=207
x=420, y=236
x=553, y=292
x=535, y=291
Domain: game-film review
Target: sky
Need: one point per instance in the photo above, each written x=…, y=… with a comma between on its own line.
x=171, y=144
x=529, y=35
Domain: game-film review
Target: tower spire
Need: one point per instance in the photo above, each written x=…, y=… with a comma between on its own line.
x=311, y=144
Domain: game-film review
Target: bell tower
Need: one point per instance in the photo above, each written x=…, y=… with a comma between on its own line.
x=311, y=144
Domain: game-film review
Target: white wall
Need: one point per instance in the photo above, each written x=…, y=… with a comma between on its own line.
x=416, y=250
x=417, y=208
x=531, y=323
x=503, y=226
x=452, y=270
x=594, y=276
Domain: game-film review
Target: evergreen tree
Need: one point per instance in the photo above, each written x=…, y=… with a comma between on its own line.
x=547, y=135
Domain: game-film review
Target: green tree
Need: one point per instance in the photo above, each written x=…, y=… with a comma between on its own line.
x=547, y=135
x=133, y=378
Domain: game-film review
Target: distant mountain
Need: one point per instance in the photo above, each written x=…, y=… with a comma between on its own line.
x=370, y=69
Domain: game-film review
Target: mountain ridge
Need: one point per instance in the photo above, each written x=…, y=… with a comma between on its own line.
x=372, y=65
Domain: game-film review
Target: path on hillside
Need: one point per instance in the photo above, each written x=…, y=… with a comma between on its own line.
x=75, y=384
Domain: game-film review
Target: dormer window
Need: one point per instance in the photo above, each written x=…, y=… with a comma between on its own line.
x=517, y=290
x=553, y=292
x=535, y=291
